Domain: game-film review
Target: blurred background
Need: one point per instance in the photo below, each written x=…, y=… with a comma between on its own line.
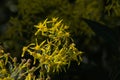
x=94, y=26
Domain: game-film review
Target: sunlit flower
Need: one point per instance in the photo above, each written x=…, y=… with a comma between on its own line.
x=54, y=19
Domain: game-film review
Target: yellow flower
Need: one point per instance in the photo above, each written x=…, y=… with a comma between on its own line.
x=25, y=48
x=38, y=55
x=58, y=24
x=54, y=19
x=41, y=27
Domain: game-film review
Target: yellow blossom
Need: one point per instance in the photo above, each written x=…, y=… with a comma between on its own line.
x=54, y=19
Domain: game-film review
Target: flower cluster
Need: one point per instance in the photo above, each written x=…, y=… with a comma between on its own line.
x=57, y=49
x=10, y=69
